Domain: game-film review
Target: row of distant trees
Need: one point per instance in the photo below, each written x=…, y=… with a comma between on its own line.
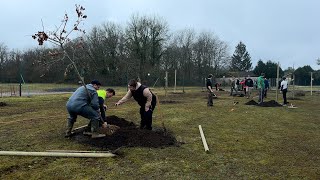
x=143, y=48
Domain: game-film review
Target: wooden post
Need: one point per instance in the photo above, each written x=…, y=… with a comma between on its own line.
x=166, y=79
x=277, y=82
x=55, y=154
x=293, y=84
x=205, y=145
x=166, y=84
x=175, y=80
x=311, y=83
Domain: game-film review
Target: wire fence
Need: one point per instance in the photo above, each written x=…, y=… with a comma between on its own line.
x=30, y=89
x=15, y=89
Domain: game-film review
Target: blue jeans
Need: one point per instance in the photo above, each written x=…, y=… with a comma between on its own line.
x=87, y=112
x=261, y=94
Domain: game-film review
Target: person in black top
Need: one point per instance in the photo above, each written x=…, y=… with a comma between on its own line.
x=249, y=83
x=210, y=91
x=145, y=98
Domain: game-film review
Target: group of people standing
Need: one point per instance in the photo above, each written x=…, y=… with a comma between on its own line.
x=89, y=101
x=247, y=85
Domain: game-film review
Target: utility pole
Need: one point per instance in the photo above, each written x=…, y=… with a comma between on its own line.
x=311, y=82
x=175, y=80
x=277, y=82
x=293, y=83
x=20, y=80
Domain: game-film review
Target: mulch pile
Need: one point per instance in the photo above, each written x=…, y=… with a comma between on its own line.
x=3, y=104
x=129, y=135
x=271, y=103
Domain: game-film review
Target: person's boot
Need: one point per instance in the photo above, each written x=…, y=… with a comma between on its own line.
x=87, y=130
x=95, y=129
x=69, y=127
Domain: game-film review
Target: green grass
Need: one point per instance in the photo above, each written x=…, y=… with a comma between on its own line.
x=248, y=142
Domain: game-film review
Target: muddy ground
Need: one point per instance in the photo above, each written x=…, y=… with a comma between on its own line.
x=129, y=135
x=271, y=103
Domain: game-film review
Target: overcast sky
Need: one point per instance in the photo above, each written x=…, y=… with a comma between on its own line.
x=287, y=31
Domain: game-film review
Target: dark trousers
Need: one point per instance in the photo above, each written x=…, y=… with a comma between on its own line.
x=102, y=110
x=210, y=99
x=284, y=95
x=87, y=112
x=146, y=116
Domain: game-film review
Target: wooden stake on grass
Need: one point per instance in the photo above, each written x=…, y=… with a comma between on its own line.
x=56, y=154
x=205, y=145
x=81, y=127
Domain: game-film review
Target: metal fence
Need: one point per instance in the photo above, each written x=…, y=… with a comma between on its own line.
x=15, y=89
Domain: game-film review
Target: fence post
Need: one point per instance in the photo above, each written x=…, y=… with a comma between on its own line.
x=311, y=83
x=277, y=82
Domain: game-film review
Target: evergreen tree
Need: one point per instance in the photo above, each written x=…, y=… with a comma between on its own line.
x=241, y=60
x=269, y=68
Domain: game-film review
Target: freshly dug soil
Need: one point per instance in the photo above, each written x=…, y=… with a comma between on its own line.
x=129, y=135
x=271, y=103
x=252, y=102
x=3, y=104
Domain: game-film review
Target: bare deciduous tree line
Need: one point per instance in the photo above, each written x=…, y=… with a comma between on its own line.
x=145, y=48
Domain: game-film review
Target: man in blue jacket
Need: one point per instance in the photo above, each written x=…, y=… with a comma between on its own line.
x=84, y=102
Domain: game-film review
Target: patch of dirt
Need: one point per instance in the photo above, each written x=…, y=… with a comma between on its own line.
x=3, y=104
x=252, y=102
x=129, y=135
x=271, y=103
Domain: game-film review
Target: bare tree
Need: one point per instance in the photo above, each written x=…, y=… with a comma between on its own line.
x=185, y=41
x=60, y=37
x=3, y=59
x=145, y=38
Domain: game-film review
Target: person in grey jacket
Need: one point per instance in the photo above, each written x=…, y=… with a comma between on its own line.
x=84, y=102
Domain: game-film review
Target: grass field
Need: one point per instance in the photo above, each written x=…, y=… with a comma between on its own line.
x=245, y=142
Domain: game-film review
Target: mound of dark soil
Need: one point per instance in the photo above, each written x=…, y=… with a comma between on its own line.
x=252, y=102
x=3, y=104
x=271, y=103
x=129, y=135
